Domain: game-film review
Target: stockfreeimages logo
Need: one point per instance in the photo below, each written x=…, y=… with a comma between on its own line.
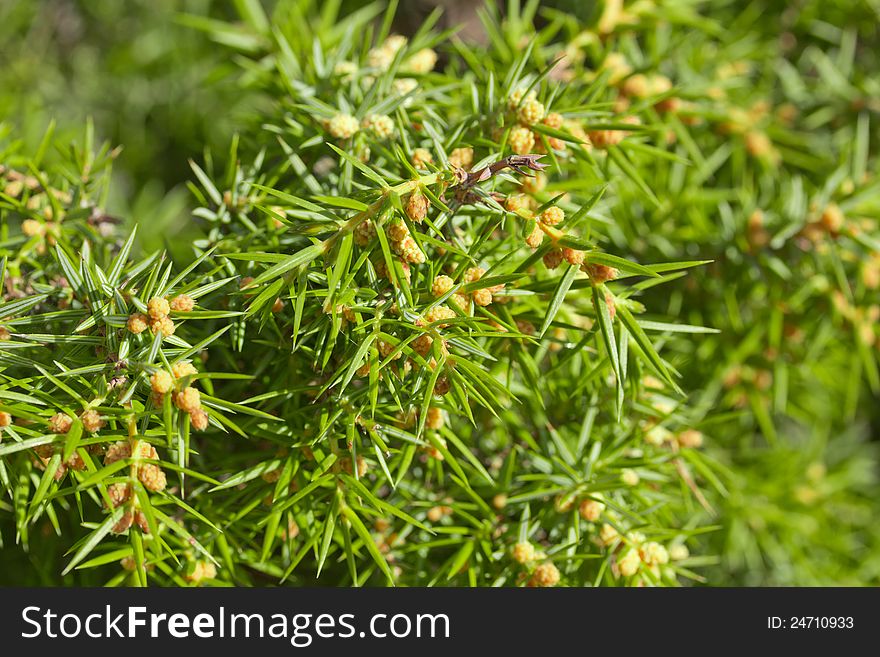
x=299, y=629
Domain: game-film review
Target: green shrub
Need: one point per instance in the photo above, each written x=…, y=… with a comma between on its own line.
x=570, y=307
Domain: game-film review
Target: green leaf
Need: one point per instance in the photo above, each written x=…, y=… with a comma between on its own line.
x=327, y=539
x=301, y=257
x=675, y=328
x=606, y=328
x=460, y=559
x=12, y=447
x=71, y=439
x=622, y=264
x=290, y=198
x=368, y=542
x=338, y=202
x=638, y=334
x=94, y=538
x=378, y=503
x=360, y=166
x=558, y=297
x=213, y=193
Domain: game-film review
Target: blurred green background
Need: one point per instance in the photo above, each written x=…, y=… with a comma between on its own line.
x=156, y=87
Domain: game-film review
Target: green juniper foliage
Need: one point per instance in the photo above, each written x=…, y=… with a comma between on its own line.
x=593, y=303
